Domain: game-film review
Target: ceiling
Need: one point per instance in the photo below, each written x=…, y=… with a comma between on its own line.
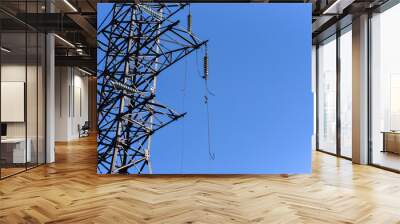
x=75, y=21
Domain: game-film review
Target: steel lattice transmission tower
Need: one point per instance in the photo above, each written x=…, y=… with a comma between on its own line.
x=136, y=42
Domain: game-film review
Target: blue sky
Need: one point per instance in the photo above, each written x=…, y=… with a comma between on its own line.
x=260, y=72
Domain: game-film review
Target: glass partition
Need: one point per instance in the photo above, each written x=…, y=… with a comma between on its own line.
x=32, y=95
x=327, y=95
x=41, y=97
x=13, y=95
x=385, y=89
x=22, y=90
x=346, y=92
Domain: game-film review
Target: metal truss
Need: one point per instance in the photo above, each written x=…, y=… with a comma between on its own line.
x=136, y=42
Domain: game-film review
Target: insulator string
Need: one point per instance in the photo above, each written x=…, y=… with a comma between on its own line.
x=189, y=21
x=206, y=72
x=205, y=65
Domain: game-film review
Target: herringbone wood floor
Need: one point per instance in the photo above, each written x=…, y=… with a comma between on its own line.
x=69, y=191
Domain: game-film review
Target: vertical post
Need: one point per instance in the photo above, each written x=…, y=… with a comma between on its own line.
x=369, y=89
x=37, y=90
x=153, y=91
x=122, y=100
x=26, y=89
x=50, y=92
x=313, y=83
x=360, y=90
x=338, y=81
x=317, y=97
x=0, y=94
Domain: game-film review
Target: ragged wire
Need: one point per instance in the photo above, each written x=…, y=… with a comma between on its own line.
x=210, y=152
x=205, y=77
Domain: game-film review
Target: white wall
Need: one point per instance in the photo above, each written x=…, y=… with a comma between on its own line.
x=62, y=82
x=33, y=126
x=71, y=102
x=17, y=73
x=80, y=103
x=12, y=73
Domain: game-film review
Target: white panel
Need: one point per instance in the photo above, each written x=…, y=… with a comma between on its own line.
x=77, y=102
x=12, y=101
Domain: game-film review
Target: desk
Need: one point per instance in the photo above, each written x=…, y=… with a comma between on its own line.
x=13, y=150
x=391, y=141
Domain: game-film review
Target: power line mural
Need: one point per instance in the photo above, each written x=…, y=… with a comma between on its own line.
x=137, y=42
x=235, y=99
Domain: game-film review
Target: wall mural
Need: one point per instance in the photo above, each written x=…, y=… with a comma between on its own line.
x=153, y=61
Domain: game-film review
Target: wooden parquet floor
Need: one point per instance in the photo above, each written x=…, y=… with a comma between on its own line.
x=69, y=191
